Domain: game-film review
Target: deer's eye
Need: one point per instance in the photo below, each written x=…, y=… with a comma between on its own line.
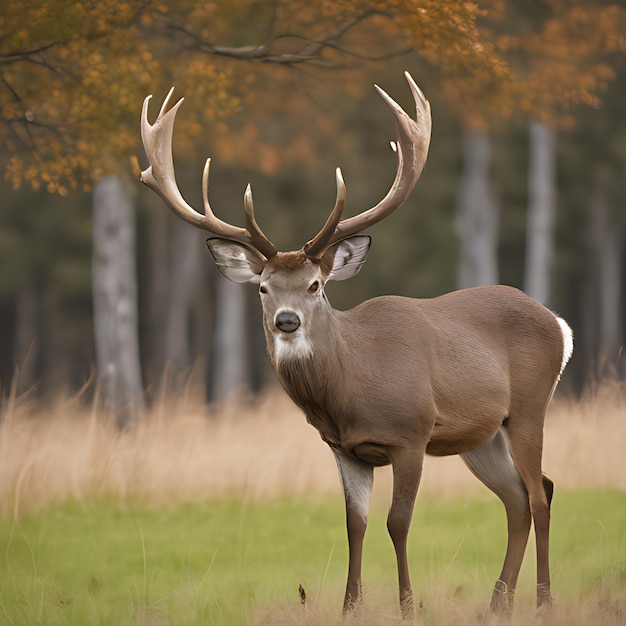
x=315, y=285
x=262, y=289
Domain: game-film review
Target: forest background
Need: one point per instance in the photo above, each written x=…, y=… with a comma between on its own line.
x=103, y=289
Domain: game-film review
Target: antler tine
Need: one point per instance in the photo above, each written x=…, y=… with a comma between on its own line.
x=320, y=241
x=160, y=177
x=412, y=150
x=257, y=238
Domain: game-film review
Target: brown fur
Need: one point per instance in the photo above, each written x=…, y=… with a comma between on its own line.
x=395, y=378
x=295, y=260
x=454, y=381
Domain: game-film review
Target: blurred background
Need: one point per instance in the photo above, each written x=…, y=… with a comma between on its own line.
x=103, y=291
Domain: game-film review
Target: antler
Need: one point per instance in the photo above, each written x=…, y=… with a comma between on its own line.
x=160, y=177
x=412, y=149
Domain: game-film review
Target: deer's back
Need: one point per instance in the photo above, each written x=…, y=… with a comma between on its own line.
x=477, y=353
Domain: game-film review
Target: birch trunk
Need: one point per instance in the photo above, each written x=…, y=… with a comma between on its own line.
x=541, y=208
x=115, y=299
x=231, y=341
x=477, y=214
x=159, y=226
x=184, y=272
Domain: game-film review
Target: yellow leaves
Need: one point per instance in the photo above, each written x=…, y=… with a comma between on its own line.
x=49, y=101
x=61, y=109
x=259, y=153
x=55, y=176
x=205, y=87
x=447, y=34
x=567, y=59
x=545, y=62
x=74, y=114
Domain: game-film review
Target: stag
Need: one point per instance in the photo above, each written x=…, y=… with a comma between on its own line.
x=468, y=373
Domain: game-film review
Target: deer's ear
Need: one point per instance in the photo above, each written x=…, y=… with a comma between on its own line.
x=348, y=256
x=236, y=261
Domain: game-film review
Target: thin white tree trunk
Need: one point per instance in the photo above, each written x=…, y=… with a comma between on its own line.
x=184, y=273
x=541, y=208
x=158, y=283
x=115, y=299
x=231, y=342
x=477, y=214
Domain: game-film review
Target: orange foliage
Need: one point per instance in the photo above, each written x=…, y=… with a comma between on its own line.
x=74, y=77
x=74, y=73
x=568, y=60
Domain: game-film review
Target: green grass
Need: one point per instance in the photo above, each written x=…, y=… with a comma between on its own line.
x=229, y=562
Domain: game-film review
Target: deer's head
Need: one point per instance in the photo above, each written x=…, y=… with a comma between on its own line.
x=291, y=284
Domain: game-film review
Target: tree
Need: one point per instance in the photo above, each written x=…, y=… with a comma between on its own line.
x=93, y=66
x=73, y=77
x=115, y=299
x=609, y=251
x=330, y=35
x=94, y=62
x=573, y=47
x=58, y=119
x=564, y=46
x=477, y=213
x=541, y=207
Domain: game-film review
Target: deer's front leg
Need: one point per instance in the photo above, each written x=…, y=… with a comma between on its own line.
x=357, y=479
x=407, y=471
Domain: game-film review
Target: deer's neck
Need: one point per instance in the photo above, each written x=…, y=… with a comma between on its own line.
x=309, y=368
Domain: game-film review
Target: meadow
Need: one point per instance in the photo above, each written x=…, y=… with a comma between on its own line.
x=219, y=515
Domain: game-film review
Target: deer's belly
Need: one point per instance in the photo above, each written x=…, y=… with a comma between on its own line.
x=456, y=435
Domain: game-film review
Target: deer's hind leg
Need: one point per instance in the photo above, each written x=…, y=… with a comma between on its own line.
x=492, y=464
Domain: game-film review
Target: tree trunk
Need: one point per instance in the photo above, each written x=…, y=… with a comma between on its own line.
x=157, y=279
x=115, y=300
x=184, y=272
x=608, y=250
x=230, y=367
x=477, y=214
x=541, y=207
x=25, y=345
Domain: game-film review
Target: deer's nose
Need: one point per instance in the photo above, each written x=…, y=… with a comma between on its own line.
x=287, y=321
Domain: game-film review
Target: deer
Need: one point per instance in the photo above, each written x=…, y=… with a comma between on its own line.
x=469, y=373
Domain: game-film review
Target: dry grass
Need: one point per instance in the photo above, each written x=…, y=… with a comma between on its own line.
x=585, y=439
x=444, y=610
x=182, y=451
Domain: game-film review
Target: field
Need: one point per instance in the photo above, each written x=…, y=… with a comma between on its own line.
x=218, y=517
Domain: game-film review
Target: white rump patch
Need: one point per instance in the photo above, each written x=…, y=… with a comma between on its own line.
x=568, y=349
x=568, y=342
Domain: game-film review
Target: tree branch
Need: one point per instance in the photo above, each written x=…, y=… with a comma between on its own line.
x=309, y=51
x=26, y=55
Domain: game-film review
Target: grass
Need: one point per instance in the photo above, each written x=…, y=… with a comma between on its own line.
x=183, y=451
x=230, y=562
x=201, y=516
x=192, y=564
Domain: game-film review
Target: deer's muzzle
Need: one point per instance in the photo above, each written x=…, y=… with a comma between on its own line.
x=287, y=321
